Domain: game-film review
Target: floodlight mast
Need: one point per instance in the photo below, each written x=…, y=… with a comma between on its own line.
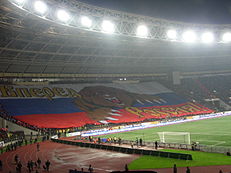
x=127, y=23
x=63, y=15
x=40, y=7
x=142, y=31
x=108, y=26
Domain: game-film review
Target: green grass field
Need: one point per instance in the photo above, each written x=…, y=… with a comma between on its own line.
x=199, y=159
x=214, y=132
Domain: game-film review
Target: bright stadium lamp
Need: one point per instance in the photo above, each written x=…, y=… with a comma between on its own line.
x=142, y=31
x=189, y=36
x=108, y=26
x=226, y=37
x=207, y=37
x=86, y=22
x=40, y=7
x=63, y=16
x=171, y=34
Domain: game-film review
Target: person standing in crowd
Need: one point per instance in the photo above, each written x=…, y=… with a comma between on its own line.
x=126, y=168
x=187, y=170
x=47, y=165
x=141, y=142
x=174, y=168
x=119, y=140
x=29, y=166
x=39, y=162
x=1, y=166
x=16, y=159
x=19, y=167
x=90, y=169
x=32, y=165
x=38, y=146
x=156, y=145
x=137, y=142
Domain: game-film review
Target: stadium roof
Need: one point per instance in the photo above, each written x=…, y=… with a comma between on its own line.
x=194, y=11
x=32, y=45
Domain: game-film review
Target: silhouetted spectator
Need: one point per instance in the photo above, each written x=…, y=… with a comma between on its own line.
x=29, y=166
x=90, y=169
x=174, y=169
x=19, y=167
x=126, y=168
x=38, y=146
x=1, y=166
x=187, y=170
x=32, y=165
x=16, y=159
x=156, y=145
x=39, y=162
x=141, y=142
x=47, y=165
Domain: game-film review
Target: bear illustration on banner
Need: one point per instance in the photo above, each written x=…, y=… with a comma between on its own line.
x=102, y=102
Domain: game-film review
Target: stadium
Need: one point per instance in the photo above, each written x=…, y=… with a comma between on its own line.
x=85, y=88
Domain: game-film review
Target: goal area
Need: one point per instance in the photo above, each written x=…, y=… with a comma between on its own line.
x=175, y=137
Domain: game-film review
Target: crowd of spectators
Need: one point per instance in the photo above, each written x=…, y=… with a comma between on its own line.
x=207, y=91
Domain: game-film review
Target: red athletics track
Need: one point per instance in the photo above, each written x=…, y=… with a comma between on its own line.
x=64, y=157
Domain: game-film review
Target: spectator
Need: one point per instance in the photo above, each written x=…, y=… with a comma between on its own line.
x=126, y=168
x=47, y=165
x=1, y=165
x=29, y=166
x=16, y=159
x=187, y=170
x=90, y=169
x=32, y=165
x=156, y=145
x=19, y=167
x=141, y=142
x=39, y=162
x=174, y=169
x=38, y=146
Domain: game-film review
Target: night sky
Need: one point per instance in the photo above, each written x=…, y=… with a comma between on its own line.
x=195, y=11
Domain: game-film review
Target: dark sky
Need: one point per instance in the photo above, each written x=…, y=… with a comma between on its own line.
x=196, y=11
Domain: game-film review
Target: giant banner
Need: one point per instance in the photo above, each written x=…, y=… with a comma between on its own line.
x=62, y=106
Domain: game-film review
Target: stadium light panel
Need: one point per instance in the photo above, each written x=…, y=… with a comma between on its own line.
x=171, y=34
x=108, y=26
x=226, y=37
x=142, y=31
x=207, y=37
x=40, y=7
x=63, y=16
x=86, y=22
x=189, y=36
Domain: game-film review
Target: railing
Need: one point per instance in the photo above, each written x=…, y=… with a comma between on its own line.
x=204, y=148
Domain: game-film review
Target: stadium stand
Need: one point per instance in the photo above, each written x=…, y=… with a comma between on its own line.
x=65, y=106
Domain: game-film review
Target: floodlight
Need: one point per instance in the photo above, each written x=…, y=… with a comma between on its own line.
x=189, y=36
x=172, y=34
x=86, y=22
x=207, y=37
x=19, y=2
x=108, y=26
x=226, y=37
x=142, y=31
x=40, y=7
x=63, y=16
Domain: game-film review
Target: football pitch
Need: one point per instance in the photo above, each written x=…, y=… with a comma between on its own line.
x=213, y=132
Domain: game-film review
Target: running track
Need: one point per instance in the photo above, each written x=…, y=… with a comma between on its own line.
x=64, y=157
